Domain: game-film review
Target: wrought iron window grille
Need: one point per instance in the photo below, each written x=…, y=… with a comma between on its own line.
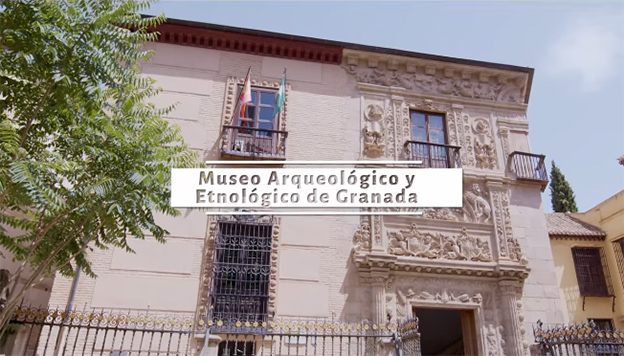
x=241, y=269
x=592, y=273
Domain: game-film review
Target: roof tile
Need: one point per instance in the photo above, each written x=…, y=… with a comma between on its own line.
x=564, y=224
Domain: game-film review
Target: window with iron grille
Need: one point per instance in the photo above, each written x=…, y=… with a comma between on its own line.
x=241, y=271
x=603, y=324
x=618, y=248
x=236, y=348
x=591, y=272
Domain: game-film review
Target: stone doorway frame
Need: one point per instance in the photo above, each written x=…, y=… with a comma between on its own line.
x=475, y=308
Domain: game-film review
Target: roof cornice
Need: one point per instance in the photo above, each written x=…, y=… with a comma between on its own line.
x=199, y=34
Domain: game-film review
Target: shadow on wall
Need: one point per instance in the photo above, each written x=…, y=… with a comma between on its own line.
x=527, y=197
x=354, y=307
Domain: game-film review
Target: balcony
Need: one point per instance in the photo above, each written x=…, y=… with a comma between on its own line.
x=529, y=167
x=249, y=142
x=433, y=155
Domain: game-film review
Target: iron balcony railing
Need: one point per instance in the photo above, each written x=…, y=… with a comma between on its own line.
x=253, y=142
x=433, y=155
x=529, y=167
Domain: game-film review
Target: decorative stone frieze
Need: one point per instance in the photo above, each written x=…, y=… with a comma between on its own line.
x=427, y=79
x=461, y=247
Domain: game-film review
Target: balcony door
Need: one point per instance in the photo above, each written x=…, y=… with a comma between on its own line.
x=429, y=136
x=256, y=125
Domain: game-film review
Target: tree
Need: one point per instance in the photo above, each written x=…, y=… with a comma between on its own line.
x=85, y=158
x=561, y=193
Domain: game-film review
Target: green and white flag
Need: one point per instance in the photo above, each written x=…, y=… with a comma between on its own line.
x=281, y=96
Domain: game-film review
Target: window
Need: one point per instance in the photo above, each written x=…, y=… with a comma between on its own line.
x=590, y=272
x=255, y=129
x=429, y=139
x=259, y=112
x=236, y=348
x=241, y=271
x=618, y=248
x=603, y=324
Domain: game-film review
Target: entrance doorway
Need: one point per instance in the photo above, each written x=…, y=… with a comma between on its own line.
x=447, y=332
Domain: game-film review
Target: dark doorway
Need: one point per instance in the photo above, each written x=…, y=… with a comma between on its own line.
x=446, y=332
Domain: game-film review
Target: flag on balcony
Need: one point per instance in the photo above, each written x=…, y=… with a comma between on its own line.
x=281, y=96
x=245, y=95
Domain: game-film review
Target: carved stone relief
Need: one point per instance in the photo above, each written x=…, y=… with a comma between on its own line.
x=462, y=247
x=207, y=267
x=430, y=84
x=362, y=237
x=374, y=131
x=484, y=145
x=508, y=245
x=476, y=208
x=391, y=128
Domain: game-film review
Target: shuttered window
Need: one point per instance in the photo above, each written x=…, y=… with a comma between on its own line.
x=590, y=272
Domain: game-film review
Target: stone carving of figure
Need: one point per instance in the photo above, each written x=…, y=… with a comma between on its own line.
x=398, y=244
x=401, y=304
x=477, y=205
x=473, y=248
x=373, y=142
x=425, y=246
x=485, y=154
x=492, y=340
x=361, y=238
x=452, y=250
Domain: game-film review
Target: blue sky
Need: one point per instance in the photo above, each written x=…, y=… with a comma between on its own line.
x=576, y=110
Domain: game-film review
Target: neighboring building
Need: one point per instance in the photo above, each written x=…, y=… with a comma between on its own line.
x=477, y=278
x=588, y=252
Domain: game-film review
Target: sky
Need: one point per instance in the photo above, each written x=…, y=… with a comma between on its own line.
x=576, y=109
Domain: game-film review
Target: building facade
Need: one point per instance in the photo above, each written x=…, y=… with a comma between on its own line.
x=486, y=270
x=588, y=253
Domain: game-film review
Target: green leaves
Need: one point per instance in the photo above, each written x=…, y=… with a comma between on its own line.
x=85, y=160
x=561, y=193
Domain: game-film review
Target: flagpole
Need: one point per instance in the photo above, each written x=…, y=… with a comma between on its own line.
x=280, y=115
x=239, y=95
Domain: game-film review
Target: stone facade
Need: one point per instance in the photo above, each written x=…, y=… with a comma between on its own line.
x=353, y=268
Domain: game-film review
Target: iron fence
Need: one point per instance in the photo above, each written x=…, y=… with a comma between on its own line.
x=43, y=332
x=578, y=339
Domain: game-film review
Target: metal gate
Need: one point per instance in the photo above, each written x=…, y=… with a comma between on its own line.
x=44, y=332
x=581, y=339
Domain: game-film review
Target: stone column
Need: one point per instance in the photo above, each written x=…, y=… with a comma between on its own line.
x=499, y=244
x=509, y=303
x=378, y=298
